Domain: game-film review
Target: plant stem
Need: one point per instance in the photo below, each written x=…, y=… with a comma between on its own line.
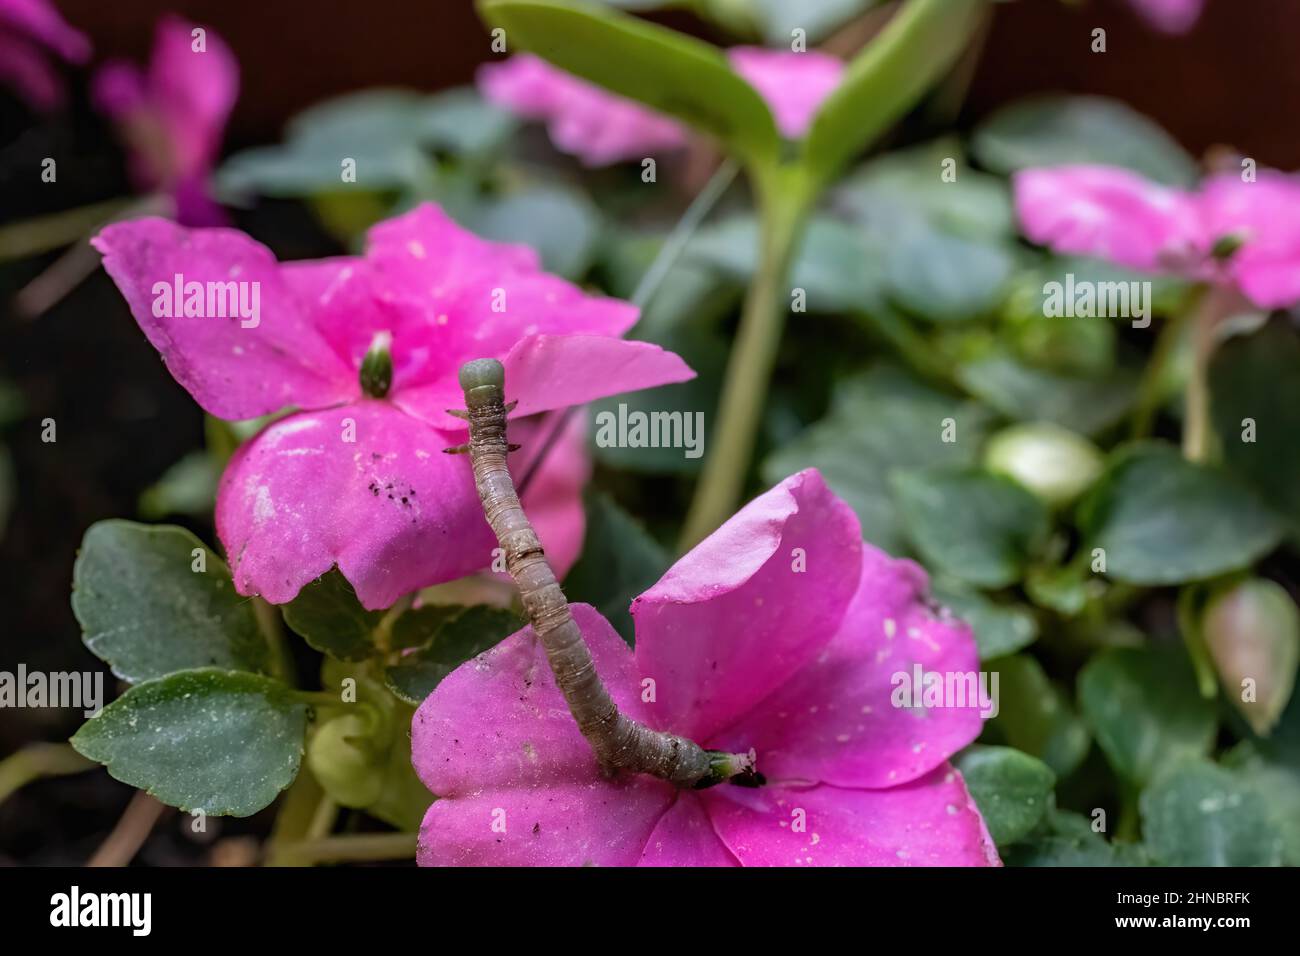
x=137, y=822
x=783, y=200
x=294, y=819
x=620, y=743
x=31, y=237
x=36, y=761
x=1153, y=377
x=345, y=849
x=271, y=625
x=1196, y=410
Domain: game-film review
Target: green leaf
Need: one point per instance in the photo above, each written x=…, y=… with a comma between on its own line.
x=619, y=561
x=1067, y=839
x=1254, y=377
x=560, y=222
x=1035, y=715
x=970, y=525
x=459, y=639
x=1163, y=520
x=328, y=616
x=881, y=421
x=908, y=188
x=1061, y=130
x=461, y=122
x=1199, y=814
x=145, y=611
x=666, y=70
x=1278, y=785
x=999, y=628
x=891, y=74
x=1024, y=393
x=947, y=278
x=1145, y=710
x=1012, y=789
x=219, y=741
x=835, y=265
x=188, y=487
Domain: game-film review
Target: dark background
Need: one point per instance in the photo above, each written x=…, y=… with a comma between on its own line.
x=122, y=420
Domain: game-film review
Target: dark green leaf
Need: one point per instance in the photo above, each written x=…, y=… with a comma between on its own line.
x=666, y=70
x=891, y=74
x=619, y=561
x=970, y=525
x=1025, y=393
x=1199, y=814
x=1068, y=839
x=144, y=610
x=1163, y=520
x=461, y=638
x=1256, y=378
x=1035, y=715
x=947, y=278
x=218, y=741
x=330, y=618
x=461, y=122
x=1012, y=789
x=1278, y=785
x=1062, y=130
x=1145, y=711
x=880, y=421
x=188, y=487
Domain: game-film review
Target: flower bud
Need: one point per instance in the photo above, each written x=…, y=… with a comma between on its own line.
x=1252, y=631
x=1053, y=462
x=342, y=758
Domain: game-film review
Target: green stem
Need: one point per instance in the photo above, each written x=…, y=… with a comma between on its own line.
x=36, y=761
x=350, y=849
x=31, y=237
x=1197, y=433
x=272, y=627
x=1151, y=388
x=783, y=200
x=293, y=821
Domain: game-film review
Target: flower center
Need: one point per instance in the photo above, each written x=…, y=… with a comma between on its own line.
x=377, y=366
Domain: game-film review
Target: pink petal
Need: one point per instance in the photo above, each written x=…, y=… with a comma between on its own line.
x=25, y=68
x=685, y=836
x=1109, y=213
x=1171, y=16
x=736, y=618
x=529, y=761
x=390, y=509
x=1266, y=214
x=40, y=21
x=546, y=372
x=553, y=498
x=193, y=93
x=598, y=127
x=928, y=822
x=834, y=722
x=794, y=84
x=232, y=371
x=118, y=89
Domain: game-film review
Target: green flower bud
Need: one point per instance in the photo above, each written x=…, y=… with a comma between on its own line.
x=346, y=761
x=1252, y=631
x=1053, y=462
x=377, y=366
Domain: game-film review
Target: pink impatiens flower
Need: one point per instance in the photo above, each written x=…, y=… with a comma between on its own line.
x=357, y=478
x=173, y=116
x=1229, y=231
x=781, y=632
x=601, y=128
x=31, y=30
x=1171, y=16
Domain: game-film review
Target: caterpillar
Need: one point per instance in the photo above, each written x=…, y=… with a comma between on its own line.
x=620, y=743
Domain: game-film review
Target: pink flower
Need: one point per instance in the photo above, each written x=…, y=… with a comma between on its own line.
x=356, y=480
x=781, y=632
x=1115, y=214
x=174, y=115
x=1171, y=16
x=601, y=128
x=794, y=84
x=29, y=31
